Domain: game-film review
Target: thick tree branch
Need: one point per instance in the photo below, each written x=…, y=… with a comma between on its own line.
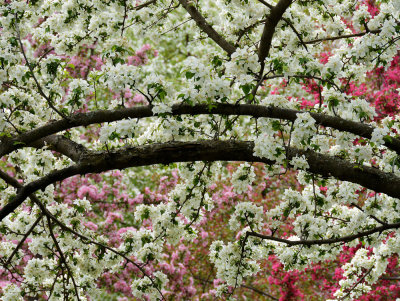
x=257, y=111
x=269, y=29
x=208, y=150
x=207, y=28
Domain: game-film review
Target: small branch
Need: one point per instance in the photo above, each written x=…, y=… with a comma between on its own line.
x=319, y=242
x=88, y=240
x=258, y=291
x=49, y=101
x=288, y=22
x=139, y=7
x=305, y=76
x=355, y=284
x=10, y=180
x=371, y=216
x=62, y=258
x=360, y=34
x=266, y=4
x=243, y=250
x=124, y=18
x=21, y=242
x=391, y=278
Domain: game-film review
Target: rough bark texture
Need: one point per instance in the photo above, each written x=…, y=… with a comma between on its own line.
x=208, y=150
x=257, y=111
x=269, y=28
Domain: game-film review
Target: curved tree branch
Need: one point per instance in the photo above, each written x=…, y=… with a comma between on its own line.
x=257, y=111
x=208, y=150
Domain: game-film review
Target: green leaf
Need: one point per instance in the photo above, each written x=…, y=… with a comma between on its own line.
x=189, y=74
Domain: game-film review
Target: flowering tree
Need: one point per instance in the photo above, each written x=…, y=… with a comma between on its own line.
x=94, y=91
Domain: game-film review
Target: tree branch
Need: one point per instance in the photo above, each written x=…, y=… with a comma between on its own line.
x=21, y=242
x=40, y=90
x=391, y=278
x=90, y=241
x=319, y=242
x=62, y=145
x=258, y=291
x=360, y=34
x=257, y=111
x=288, y=22
x=207, y=28
x=208, y=150
x=269, y=29
x=266, y=4
x=140, y=6
x=62, y=258
x=13, y=182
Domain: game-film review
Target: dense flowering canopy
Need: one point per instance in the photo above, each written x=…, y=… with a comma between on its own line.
x=92, y=91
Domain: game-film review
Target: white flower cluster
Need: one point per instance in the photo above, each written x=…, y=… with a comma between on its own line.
x=142, y=244
x=119, y=77
x=243, y=62
x=248, y=214
x=150, y=288
x=299, y=162
x=378, y=134
x=119, y=129
x=205, y=84
x=269, y=145
x=161, y=108
x=40, y=38
x=304, y=130
x=234, y=262
x=43, y=266
x=243, y=177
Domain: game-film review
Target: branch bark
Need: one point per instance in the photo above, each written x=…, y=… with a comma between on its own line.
x=269, y=29
x=258, y=291
x=207, y=28
x=62, y=145
x=318, y=242
x=257, y=111
x=346, y=36
x=208, y=150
